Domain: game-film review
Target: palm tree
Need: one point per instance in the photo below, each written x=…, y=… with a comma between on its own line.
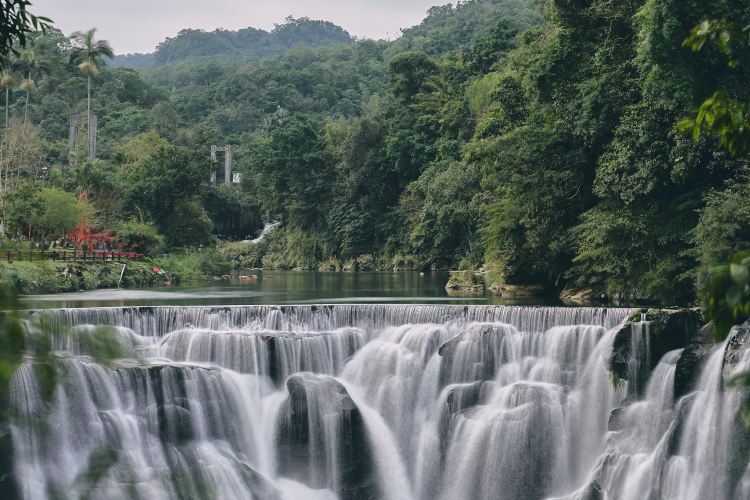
x=35, y=59
x=7, y=81
x=88, y=54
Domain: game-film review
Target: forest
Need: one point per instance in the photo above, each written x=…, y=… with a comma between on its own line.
x=537, y=141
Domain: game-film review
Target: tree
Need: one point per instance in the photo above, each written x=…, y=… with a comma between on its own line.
x=20, y=156
x=88, y=54
x=7, y=82
x=726, y=117
x=163, y=186
x=95, y=182
x=59, y=213
x=289, y=171
x=35, y=59
x=16, y=23
x=723, y=115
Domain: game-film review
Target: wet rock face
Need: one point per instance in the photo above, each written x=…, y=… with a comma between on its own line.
x=621, y=352
x=593, y=492
x=319, y=411
x=669, y=329
x=691, y=360
x=169, y=416
x=458, y=398
x=617, y=419
x=473, y=355
x=8, y=485
x=739, y=339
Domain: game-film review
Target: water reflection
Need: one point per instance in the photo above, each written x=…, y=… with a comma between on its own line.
x=285, y=287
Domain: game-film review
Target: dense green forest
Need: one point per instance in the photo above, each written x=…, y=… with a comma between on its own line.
x=535, y=140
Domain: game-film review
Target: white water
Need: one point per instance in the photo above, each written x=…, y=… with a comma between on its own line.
x=267, y=228
x=371, y=401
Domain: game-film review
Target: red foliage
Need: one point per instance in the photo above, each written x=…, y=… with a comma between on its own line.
x=83, y=235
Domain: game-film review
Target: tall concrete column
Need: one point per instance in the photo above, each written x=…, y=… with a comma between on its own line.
x=227, y=164
x=92, y=137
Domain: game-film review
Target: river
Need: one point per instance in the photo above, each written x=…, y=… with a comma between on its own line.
x=288, y=287
x=392, y=391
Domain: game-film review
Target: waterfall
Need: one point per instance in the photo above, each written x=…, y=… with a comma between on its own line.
x=267, y=228
x=369, y=401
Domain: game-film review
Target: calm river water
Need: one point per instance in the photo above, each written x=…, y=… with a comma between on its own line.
x=285, y=287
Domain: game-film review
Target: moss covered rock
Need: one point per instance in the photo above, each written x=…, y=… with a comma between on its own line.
x=667, y=330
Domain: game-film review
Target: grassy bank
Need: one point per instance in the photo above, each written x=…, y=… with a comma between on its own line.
x=46, y=276
x=194, y=265
x=55, y=277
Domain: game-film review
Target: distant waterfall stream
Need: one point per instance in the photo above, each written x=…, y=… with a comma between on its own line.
x=357, y=402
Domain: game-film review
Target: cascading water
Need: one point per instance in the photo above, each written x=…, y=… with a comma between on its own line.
x=370, y=401
x=267, y=228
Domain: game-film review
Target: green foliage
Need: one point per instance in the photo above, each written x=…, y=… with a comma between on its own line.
x=250, y=44
x=244, y=255
x=16, y=24
x=11, y=342
x=293, y=249
x=88, y=53
x=288, y=169
x=730, y=37
x=55, y=277
x=100, y=461
x=723, y=229
x=543, y=150
x=409, y=72
x=725, y=114
x=189, y=224
x=93, y=181
x=234, y=212
x=142, y=236
x=195, y=265
x=725, y=118
x=728, y=294
x=462, y=26
x=163, y=186
x=58, y=212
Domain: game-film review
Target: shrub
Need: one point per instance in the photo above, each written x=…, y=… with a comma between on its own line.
x=140, y=236
x=723, y=228
x=196, y=265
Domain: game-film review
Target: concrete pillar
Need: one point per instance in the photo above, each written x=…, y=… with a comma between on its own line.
x=92, y=137
x=227, y=164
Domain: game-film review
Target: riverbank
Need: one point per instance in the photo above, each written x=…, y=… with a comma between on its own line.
x=47, y=276
x=279, y=254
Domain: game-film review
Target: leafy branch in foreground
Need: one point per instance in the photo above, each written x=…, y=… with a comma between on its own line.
x=722, y=116
x=16, y=23
x=728, y=294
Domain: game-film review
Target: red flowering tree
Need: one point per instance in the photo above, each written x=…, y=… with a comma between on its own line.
x=85, y=239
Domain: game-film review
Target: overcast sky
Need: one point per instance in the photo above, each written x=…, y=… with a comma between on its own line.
x=139, y=25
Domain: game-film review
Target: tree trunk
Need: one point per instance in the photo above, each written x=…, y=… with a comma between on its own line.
x=88, y=112
x=7, y=92
x=26, y=108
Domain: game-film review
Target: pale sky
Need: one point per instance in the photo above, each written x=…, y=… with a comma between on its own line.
x=139, y=25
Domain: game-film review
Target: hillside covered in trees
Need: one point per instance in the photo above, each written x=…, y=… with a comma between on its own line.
x=536, y=140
